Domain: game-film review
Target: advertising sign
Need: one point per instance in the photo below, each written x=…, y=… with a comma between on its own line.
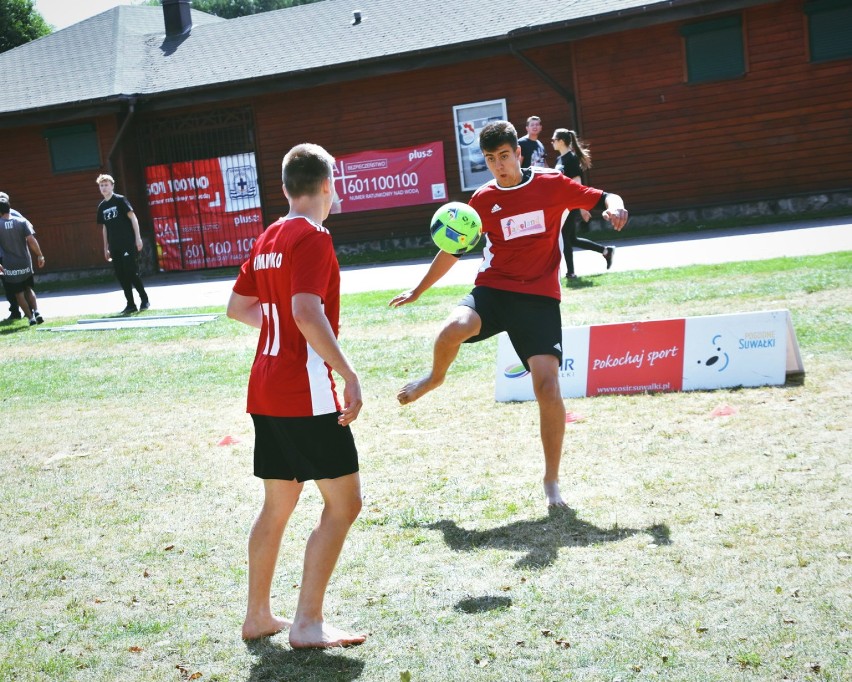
x=206, y=213
x=390, y=178
x=735, y=350
x=514, y=382
x=469, y=119
x=635, y=357
x=684, y=354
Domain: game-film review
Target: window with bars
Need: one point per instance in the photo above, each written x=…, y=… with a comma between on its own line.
x=198, y=135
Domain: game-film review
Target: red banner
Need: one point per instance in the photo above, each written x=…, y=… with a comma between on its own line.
x=390, y=178
x=636, y=357
x=206, y=213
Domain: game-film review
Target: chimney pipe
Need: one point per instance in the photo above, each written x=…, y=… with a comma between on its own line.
x=178, y=17
x=356, y=17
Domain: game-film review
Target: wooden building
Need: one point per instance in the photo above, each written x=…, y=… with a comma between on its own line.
x=685, y=103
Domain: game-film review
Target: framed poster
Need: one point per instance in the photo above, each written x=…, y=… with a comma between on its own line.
x=469, y=119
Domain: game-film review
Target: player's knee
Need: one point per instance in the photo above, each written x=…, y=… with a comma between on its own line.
x=346, y=509
x=546, y=387
x=459, y=329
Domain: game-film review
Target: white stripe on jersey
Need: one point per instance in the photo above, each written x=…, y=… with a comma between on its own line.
x=487, y=255
x=322, y=398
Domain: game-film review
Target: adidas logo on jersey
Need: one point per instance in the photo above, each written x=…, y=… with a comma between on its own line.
x=496, y=208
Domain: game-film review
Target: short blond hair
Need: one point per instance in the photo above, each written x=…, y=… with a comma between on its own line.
x=103, y=177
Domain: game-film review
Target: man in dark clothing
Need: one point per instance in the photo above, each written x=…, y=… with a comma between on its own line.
x=121, y=242
x=532, y=149
x=14, y=308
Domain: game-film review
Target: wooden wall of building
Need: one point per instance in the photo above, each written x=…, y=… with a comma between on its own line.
x=402, y=110
x=61, y=206
x=783, y=129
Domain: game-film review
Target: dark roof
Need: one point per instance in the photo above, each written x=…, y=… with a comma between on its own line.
x=123, y=52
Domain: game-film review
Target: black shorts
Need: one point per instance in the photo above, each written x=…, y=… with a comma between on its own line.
x=18, y=287
x=534, y=323
x=303, y=448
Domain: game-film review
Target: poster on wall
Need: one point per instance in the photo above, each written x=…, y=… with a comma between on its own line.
x=469, y=119
x=390, y=178
x=206, y=213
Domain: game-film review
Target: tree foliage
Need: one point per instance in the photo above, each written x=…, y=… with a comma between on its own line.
x=20, y=23
x=230, y=9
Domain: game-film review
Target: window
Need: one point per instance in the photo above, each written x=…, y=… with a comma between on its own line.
x=714, y=49
x=73, y=148
x=829, y=29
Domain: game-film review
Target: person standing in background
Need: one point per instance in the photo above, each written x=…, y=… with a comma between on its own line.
x=122, y=242
x=574, y=158
x=533, y=152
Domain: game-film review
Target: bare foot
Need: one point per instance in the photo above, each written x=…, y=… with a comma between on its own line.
x=256, y=629
x=411, y=392
x=322, y=636
x=554, y=497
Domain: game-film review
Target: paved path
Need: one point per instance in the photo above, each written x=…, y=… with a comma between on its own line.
x=187, y=290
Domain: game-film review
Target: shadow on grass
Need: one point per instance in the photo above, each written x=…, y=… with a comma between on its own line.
x=542, y=538
x=276, y=662
x=580, y=282
x=482, y=604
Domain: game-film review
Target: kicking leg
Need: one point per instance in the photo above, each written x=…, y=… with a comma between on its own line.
x=545, y=377
x=462, y=324
x=342, y=497
x=280, y=498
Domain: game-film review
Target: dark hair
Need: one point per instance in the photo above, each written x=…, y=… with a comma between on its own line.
x=498, y=133
x=304, y=168
x=576, y=145
x=4, y=207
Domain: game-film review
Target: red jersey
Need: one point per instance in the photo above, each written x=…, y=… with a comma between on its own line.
x=522, y=227
x=288, y=378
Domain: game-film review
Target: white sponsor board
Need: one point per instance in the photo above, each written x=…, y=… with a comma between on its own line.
x=515, y=383
x=723, y=351
x=719, y=351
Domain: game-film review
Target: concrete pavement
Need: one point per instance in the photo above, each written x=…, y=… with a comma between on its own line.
x=189, y=290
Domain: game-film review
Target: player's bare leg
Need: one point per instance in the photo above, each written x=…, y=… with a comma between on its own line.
x=342, y=497
x=280, y=498
x=545, y=377
x=462, y=323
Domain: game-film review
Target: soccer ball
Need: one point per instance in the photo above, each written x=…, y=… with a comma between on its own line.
x=456, y=228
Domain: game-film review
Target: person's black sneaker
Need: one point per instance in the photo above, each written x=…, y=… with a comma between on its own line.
x=145, y=305
x=610, y=252
x=131, y=308
x=33, y=321
x=13, y=316
x=37, y=315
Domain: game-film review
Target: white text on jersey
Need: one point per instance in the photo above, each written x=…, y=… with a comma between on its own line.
x=263, y=261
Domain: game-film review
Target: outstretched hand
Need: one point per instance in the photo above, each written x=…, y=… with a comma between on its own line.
x=617, y=217
x=403, y=298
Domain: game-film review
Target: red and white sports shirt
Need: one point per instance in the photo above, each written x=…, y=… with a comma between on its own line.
x=288, y=378
x=522, y=227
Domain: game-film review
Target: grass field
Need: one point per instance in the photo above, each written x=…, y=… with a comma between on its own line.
x=695, y=548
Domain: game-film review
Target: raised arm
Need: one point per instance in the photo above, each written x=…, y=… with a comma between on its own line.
x=615, y=212
x=440, y=266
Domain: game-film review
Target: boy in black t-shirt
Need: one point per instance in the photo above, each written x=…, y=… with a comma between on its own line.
x=121, y=242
